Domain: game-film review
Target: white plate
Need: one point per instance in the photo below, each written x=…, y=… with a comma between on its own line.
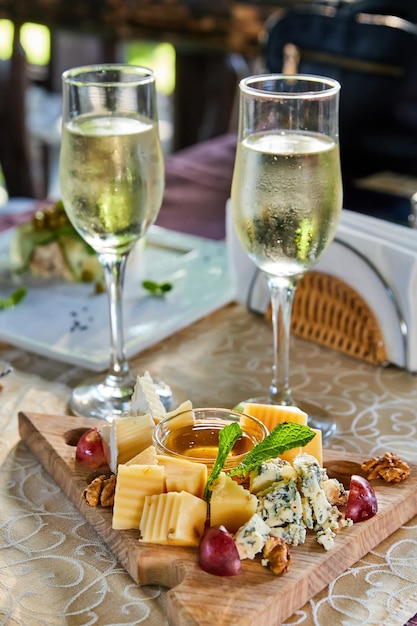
x=70, y=323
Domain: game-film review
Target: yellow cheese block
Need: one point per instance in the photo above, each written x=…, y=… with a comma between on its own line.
x=183, y=475
x=315, y=447
x=133, y=484
x=129, y=435
x=175, y=518
x=289, y=455
x=231, y=505
x=273, y=414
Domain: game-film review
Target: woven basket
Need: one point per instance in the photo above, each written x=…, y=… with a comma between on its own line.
x=328, y=311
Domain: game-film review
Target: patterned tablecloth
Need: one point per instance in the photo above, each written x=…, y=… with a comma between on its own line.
x=55, y=570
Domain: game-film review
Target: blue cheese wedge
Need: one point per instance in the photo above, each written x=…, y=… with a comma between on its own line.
x=299, y=497
x=318, y=512
x=280, y=504
x=251, y=537
x=293, y=534
x=310, y=474
x=270, y=472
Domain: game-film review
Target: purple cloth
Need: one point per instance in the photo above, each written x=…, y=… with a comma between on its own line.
x=198, y=181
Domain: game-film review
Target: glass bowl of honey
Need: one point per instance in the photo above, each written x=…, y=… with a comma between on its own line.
x=194, y=435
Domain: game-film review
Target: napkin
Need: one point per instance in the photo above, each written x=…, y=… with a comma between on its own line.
x=378, y=259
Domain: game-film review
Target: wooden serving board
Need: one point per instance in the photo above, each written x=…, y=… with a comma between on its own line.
x=196, y=598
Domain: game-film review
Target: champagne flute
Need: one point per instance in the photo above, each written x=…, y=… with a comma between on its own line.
x=111, y=174
x=287, y=196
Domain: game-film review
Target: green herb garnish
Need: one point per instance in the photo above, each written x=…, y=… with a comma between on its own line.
x=227, y=439
x=14, y=298
x=285, y=436
x=156, y=289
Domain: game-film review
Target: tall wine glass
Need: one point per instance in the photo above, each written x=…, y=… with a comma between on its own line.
x=111, y=175
x=287, y=195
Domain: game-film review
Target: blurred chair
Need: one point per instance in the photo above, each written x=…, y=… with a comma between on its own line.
x=370, y=46
x=15, y=157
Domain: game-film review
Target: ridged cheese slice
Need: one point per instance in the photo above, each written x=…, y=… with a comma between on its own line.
x=145, y=398
x=183, y=475
x=273, y=414
x=133, y=484
x=129, y=435
x=175, y=518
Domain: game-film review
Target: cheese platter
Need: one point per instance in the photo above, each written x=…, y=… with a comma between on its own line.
x=196, y=598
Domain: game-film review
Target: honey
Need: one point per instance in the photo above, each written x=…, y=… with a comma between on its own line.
x=201, y=441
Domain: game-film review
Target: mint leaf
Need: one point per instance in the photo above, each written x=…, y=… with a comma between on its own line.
x=227, y=439
x=14, y=298
x=156, y=289
x=284, y=437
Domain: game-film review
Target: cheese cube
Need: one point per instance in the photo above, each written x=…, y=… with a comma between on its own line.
x=231, y=505
x=315, y=447
x=289, y=455
x=147, y=457
x=133, y=484
x=176, y=518
x=129, y=435
x=184, y=475
x=273, y=414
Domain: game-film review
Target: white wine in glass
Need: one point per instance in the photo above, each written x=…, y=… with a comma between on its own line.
x=111, y=175
x=287, y=195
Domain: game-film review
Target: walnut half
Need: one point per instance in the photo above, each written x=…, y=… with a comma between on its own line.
x=390, y=467
x=276, y=555
x=101, y=491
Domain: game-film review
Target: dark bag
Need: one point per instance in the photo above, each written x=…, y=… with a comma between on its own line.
x=371, y=48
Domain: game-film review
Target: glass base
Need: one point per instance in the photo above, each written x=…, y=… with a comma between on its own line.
x=106, y=401
x=317, y=417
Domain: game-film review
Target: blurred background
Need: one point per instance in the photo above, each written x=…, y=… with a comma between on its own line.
x=43, y=98
x=200, y=49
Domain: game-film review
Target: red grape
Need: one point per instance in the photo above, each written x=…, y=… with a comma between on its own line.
x=218, y=553
x=90, y=449
x=362, y=503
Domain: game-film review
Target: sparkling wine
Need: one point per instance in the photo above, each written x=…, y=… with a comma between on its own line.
x=286, y=199
x=112, y=178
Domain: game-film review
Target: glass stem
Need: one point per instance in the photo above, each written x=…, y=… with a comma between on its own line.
x=114, y=272
x=282, y=296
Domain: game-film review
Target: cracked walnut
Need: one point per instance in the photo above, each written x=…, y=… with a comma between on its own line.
x=390, y=467
x=101, y=491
